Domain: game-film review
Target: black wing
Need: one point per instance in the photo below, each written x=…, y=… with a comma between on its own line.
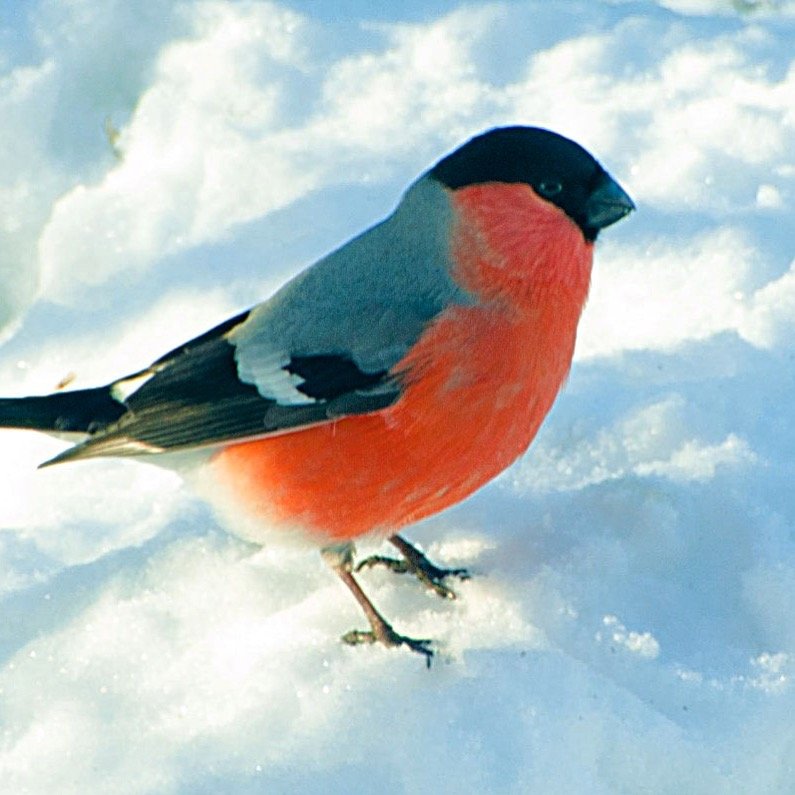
x=193, y=397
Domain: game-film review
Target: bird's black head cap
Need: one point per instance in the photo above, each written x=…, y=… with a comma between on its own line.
x=558, y=169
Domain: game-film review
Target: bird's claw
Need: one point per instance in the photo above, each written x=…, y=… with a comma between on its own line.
x=393, y=564
x=416, y=563
x=434, y=580
x=388, y=637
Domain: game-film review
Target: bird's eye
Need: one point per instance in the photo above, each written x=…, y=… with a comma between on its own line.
x=550, y=188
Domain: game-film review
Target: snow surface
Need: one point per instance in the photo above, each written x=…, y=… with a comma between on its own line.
x=631, y=623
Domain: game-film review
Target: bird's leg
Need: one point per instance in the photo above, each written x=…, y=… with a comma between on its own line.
x=416, y=563
x=340, y=558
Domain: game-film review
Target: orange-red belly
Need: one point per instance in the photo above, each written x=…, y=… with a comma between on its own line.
x=481, y=387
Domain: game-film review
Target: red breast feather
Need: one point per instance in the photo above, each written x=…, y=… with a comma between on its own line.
x=479, y=382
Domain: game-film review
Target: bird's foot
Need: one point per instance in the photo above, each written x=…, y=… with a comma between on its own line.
x=340, y=557
x=416, y=563
x=384, y=634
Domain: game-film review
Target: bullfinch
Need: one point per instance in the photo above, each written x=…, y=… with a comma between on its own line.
x=387, y=381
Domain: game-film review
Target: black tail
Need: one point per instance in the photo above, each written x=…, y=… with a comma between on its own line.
x=83, y=410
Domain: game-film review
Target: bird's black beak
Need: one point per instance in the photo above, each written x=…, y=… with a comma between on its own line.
x=607, y=203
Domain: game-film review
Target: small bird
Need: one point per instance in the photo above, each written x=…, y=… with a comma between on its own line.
x=387, y=381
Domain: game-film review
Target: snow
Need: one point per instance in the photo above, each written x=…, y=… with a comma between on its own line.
x=629, y=623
